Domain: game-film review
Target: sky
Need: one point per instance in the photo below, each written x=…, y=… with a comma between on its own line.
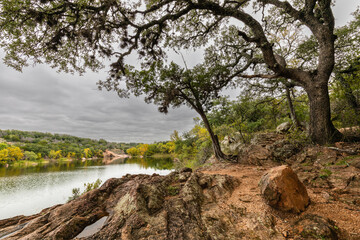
x=41, y=99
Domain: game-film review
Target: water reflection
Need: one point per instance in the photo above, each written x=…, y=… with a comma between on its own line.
x=17, y=170
x=157, y=163
x=27, y=190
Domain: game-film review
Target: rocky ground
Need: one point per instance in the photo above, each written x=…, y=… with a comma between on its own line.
x=218, y=201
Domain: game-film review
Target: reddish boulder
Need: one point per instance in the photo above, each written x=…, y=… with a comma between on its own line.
x=282, y=189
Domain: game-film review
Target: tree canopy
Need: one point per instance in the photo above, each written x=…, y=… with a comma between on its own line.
x=73, y=35
x=172, y=85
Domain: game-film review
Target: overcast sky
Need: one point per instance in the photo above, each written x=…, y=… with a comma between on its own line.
x=40, y=99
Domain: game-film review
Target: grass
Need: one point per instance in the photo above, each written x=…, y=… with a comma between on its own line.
x=351, y=157
x=325, y=173
x=342, y=163
x=173, y=190
x=306, y=164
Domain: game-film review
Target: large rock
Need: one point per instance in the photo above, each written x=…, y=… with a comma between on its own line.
x=283, y=149
x=315, y=227
x=265, y=139
x=181, y=205
x=231, y=145
x=254, y=155
x=283, y=128
x=282, y=189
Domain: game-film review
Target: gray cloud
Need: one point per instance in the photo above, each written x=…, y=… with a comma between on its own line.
x=40, y=99
x=343, y=10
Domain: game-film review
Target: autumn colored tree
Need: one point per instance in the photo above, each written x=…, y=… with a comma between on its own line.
x=4, y=154
x=88, y=153
x=55, y=154
x=133, y=151
x=14, y=153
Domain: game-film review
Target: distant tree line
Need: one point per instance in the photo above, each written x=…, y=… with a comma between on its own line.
x=145, y=150
x=24, y=145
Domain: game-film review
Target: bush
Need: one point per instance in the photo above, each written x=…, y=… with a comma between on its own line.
x=88, y=187
x=31, y=156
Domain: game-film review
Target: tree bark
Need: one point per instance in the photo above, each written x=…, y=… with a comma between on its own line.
x=321, y=129
x=291, y=108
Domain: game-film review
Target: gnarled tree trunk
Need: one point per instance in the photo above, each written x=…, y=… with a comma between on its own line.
x=321, y=129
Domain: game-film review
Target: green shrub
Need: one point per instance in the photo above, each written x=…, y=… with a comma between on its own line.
x=31, y=156
x=88, y=187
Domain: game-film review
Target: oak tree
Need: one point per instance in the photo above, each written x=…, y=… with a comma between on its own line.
x=172, y=86
x=73, y=35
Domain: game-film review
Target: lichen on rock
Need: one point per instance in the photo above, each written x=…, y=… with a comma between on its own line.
x=138, y=207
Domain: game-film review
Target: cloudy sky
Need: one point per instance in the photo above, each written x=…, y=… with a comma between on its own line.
x=40, y=99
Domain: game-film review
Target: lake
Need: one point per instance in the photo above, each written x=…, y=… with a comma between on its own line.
x=28, y=190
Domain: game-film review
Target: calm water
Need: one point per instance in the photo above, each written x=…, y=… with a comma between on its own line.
x=25, y=191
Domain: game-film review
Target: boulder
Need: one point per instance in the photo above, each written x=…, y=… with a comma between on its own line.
x=265, y=139
x=313, y=226
x=231, y=145
x=254, y=155
x=283, y=128
x=282, y=189
x=283, y=149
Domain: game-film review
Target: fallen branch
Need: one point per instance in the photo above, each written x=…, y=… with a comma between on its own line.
x=351, y=152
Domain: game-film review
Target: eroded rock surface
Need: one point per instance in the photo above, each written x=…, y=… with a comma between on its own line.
x=282, y=189
x=220, y=202
x=177, y=206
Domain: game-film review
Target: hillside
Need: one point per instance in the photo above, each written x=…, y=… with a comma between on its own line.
x=23, y=145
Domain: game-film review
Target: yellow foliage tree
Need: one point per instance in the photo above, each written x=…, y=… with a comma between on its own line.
x=15, y=154
x=55, y=154
x=171, y=147
x=87, y=153
x=133, y=151
x=4, y=154
x=142, y=149
x=200, y=132
x=71, y=155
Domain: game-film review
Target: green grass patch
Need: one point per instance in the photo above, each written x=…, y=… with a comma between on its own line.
x=173, y=190
x=306, y=164
x=342, y=163
x=325, y=173
x=351, y=157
